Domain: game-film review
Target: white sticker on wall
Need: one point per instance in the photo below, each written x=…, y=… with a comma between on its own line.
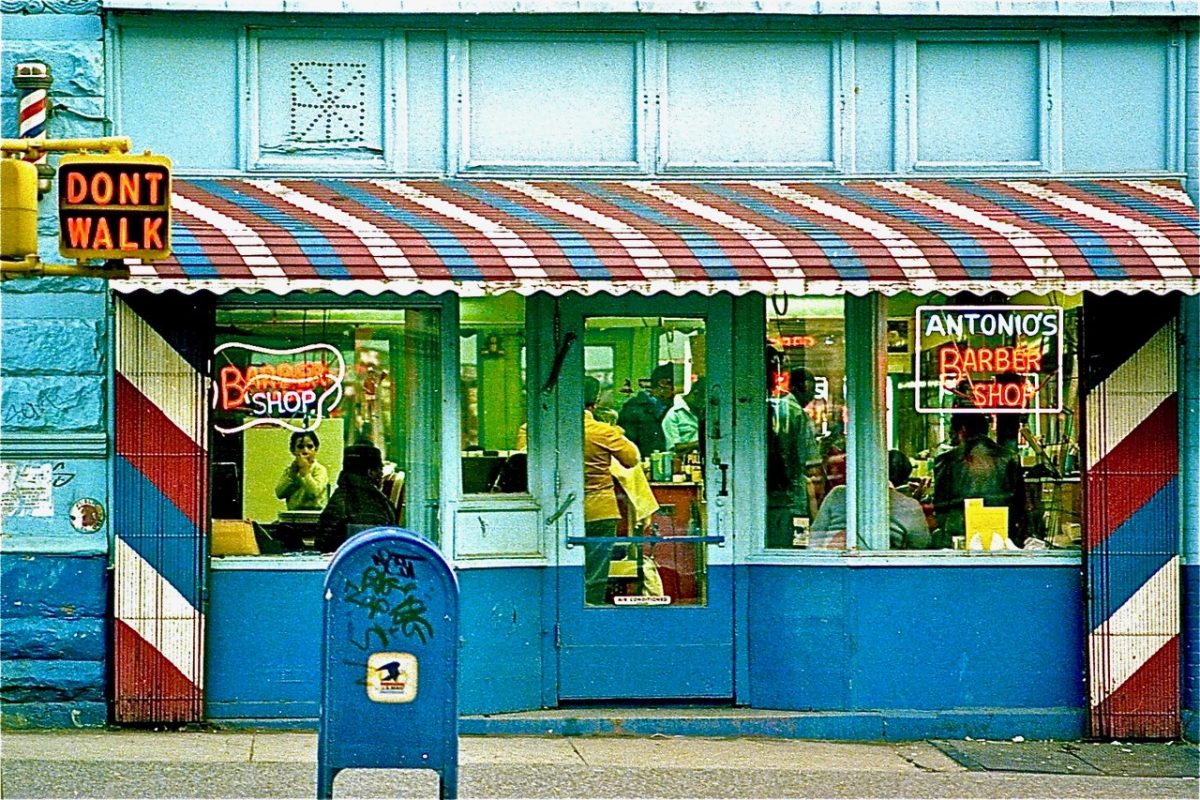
x=26, y=490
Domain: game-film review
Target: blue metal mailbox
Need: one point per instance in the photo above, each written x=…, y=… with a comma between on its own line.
x=389, y=654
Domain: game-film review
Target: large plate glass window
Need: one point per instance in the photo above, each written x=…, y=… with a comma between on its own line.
x=806, y=418
x=982, y=422
x=304, y=400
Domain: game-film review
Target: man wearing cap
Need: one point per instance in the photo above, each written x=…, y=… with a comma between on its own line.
x=357, y=501
x=642, y=414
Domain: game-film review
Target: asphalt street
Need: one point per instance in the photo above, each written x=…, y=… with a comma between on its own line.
x=114, y=764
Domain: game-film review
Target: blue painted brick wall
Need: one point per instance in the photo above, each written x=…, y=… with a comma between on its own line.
x=54, y=350
x=53, y=640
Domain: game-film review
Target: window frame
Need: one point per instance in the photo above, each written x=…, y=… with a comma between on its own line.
x=866, y=453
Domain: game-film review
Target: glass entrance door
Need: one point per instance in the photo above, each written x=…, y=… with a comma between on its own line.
x=645, y=582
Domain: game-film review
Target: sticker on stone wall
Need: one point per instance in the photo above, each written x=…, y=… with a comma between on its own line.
x=87, y=515
x=26, y=490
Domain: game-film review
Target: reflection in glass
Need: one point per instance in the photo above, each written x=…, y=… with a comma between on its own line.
x=492, y=394
x=806, y=423
x=1004, y=475
x=345, y=377
x=644, y=472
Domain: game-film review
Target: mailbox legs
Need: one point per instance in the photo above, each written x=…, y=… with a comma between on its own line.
x=325, y=776
x=448, y=782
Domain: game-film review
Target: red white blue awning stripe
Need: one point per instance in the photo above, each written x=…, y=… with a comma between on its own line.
x=857, y=236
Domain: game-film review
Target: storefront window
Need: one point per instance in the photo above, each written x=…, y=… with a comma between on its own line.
x=983, y=417
x=806, y=423
x=322, y=423
x=492, y=395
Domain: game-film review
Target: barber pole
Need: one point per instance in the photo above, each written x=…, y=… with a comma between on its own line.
x=32, y=79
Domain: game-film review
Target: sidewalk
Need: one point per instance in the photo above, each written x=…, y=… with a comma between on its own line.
x=123, y=763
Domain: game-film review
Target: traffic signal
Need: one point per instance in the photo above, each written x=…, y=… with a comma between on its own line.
x=19, y=202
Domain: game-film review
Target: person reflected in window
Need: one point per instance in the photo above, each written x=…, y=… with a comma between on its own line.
x=304, y=484
x=976, y=467
x=683, y=423
x=642, y=414
x=1008, y=425
x=792, y=452
x=803, y=388
x=602, y=444
x=357, y=501
x=907, y=528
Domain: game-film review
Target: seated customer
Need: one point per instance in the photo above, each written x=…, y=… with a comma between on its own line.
x=304, y=484
x=976, y=467
x=906, y=520
x=357, y=500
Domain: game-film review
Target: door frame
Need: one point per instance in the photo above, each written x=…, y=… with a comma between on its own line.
x=562, y=436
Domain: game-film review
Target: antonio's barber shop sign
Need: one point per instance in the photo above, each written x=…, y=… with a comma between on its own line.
x=990, y=359
x=294, y=388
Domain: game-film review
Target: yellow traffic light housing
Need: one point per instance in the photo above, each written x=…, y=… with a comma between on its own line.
x=19, y=204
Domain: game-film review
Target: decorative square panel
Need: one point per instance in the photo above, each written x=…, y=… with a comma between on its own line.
x=328, y=103
x=319, y=101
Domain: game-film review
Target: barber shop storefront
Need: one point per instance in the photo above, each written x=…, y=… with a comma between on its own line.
x=724, y=424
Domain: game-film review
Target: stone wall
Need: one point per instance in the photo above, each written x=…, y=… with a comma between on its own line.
x=55, y=416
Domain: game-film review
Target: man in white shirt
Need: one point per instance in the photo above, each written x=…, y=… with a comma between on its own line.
x=681, y=426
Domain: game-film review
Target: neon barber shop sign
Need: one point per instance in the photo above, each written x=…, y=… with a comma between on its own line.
x=989, y=359
x=294, y=389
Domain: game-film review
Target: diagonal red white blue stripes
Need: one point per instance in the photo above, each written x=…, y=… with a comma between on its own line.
x=1132, y=542
x=161, y=495
x=638, y=235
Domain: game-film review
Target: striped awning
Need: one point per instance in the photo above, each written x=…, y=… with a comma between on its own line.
x=485, y=236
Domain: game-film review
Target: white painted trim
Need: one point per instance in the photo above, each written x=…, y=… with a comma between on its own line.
x=932, y=8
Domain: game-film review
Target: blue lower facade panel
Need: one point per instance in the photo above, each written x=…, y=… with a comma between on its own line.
x=263, y=663
x=502, y=631
x=842, y=651
x=935, y=651
x=264, y=630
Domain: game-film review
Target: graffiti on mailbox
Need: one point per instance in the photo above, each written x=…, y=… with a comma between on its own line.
x=386, y=589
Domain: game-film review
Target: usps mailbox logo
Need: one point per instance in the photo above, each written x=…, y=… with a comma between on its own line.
x=392, y=677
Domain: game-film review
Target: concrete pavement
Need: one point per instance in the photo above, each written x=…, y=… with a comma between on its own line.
x=124, y=763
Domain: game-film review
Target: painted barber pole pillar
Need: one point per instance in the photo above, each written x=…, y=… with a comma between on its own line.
x=160, y=510
x=32, y=79
x=1132, y=525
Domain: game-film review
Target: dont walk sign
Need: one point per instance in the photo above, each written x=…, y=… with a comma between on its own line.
x=114, y=206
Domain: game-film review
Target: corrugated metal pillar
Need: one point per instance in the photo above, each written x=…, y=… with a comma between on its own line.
x=1132, y=524
x=160, y=507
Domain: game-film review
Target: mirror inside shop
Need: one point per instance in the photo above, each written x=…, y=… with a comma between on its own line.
x=980, y=419
x=318, y=426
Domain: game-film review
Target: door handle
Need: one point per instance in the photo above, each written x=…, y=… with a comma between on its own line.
x=714, y=403
x=562, y=509
x=559, y=357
